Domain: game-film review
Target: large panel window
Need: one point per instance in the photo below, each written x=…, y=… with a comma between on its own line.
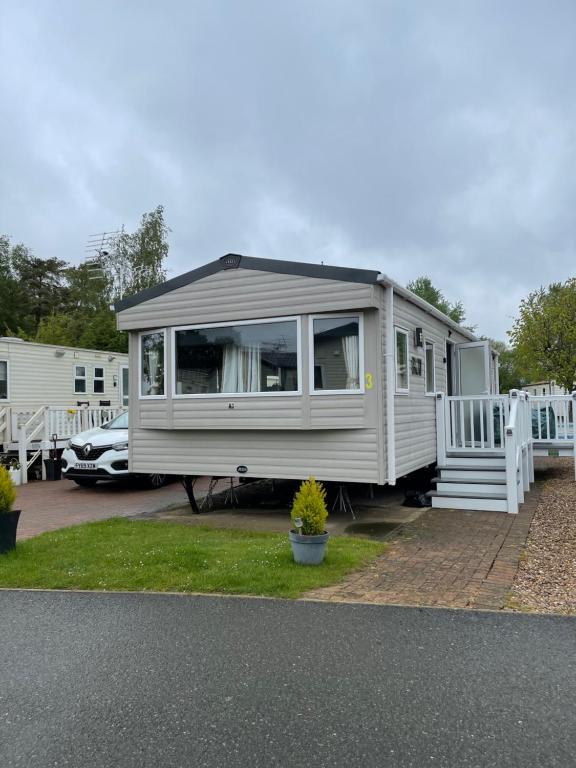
x=3, y=380
x=244, y=358
x=430, y=369
x=402, y=373
x=152, y=349
x=337, y=345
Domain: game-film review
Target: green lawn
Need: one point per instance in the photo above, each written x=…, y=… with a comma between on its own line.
x=141, y=555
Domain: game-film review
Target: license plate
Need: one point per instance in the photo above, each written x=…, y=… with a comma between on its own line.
x=84, y=465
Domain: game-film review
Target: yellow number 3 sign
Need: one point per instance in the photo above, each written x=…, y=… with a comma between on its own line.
x=369, y=381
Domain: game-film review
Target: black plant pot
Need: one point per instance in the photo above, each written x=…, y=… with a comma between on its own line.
x=8, y=525
x=53, y=469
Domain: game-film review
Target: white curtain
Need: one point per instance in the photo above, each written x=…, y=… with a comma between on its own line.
x=153, y=370
x=351, y=358
x=230, y=368
x=241, y=368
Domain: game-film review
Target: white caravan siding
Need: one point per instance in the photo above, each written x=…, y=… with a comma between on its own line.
x=246, y=294
x=415, y=412
x=43, y=374
x=347, y=455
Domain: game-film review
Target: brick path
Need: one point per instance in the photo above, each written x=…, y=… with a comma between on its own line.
x=446, y=557
x=47, y=506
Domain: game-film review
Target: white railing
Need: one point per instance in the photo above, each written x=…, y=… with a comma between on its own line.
x=553, y=417
x=35, y=435
x=4, y=425
x=66, y=422
x=472, y=423
x=31, y=429
x=518, y=449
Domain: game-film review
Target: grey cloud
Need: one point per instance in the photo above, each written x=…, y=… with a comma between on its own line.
x=411, y=137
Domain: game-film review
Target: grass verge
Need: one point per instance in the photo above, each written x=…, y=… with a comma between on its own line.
x=141, y=555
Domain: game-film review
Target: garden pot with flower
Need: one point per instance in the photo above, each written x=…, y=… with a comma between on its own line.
x=8, y=517
x=309, y=513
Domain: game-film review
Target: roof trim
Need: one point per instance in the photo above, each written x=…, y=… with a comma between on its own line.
x=236, y=261
x=423, y=304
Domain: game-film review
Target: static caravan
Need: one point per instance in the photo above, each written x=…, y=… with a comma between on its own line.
x=35, y=376
x=277, y=369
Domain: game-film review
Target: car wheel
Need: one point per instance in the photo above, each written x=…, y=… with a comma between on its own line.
x=155, y=480
x=85, y=482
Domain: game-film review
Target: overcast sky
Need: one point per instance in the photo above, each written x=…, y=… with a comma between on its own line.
x=415, y=138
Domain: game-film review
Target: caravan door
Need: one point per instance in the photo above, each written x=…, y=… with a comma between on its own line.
x=474, y=426
x=473, y=366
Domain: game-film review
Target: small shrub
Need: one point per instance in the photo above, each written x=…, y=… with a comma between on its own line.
x=7, y=491
x=310, y=506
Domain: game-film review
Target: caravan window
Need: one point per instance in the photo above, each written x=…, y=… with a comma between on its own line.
x=79, y=379
x=241, y=359
x=152, y=364
x=3, y=379
x=336, y=341
x=402, y=373
x=98, y=381
x=430, y=369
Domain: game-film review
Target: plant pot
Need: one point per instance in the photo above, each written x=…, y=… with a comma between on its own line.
x=15, y=475
x=308, y=550
x=8, y=525
x=53, y=469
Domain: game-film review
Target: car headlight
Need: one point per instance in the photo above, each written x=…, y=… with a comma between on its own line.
x=120, y=446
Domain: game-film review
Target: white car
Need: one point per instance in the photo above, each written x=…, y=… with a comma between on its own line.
x=101, y=453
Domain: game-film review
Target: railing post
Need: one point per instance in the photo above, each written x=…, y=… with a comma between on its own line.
x=47, y=434
x=440, y=429
x=511, y=470
x=574, y=428
x=23, y=454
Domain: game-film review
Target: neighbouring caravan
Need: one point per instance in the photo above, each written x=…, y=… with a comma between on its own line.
x=268, y=368
x=35, y=376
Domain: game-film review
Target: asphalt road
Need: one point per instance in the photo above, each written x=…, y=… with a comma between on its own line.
x=111, y=681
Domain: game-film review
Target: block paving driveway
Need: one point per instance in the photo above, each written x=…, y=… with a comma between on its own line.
x=47, y=506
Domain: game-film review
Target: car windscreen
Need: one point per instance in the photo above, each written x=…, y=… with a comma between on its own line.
x=120, y=422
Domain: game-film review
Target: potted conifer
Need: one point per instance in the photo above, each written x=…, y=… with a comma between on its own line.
x=8, y=517
x=309, y=513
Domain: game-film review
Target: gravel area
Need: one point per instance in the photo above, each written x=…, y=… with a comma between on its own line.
x=546, y=578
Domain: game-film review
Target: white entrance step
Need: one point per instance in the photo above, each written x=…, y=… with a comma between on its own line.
x=482, y=472
x=471, y=486
x=481, y=502
x=462, y=460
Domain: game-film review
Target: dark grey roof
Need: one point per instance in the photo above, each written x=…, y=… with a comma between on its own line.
x=235, y=261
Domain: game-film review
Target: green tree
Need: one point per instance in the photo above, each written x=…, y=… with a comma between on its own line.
x=61, y=328
x=13, y=300
x=544, y=334
x=423, y=287
x=511, y=374
x=88, y=289
x=44, y=287
x=136, y=261
x=100, y=332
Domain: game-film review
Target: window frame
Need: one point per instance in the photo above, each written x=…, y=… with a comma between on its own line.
x=230, y=323
x=427, y=392
x=151, y=332
x=84, y=378
x=98, y=378
x=361, y=373
x=399, y=390
x=7, y=398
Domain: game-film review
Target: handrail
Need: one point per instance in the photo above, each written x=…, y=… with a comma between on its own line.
x=518, y=449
